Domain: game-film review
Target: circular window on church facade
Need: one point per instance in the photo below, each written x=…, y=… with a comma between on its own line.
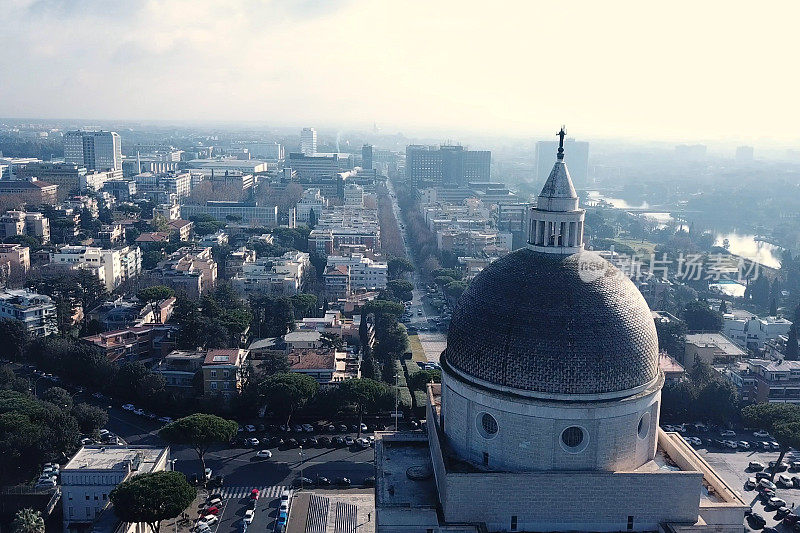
x=644, y=426
x=487, y=425
x=574, y=439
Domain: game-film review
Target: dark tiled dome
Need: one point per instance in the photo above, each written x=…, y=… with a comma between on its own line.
x=554, y=324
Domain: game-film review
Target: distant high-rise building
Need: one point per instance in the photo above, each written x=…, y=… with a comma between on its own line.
x=451, y=166
x=578, y=153
x=308, y=141
x=744, y=154
x=95, y=150
x=366, y=156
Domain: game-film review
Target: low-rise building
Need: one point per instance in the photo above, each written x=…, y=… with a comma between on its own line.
x=311, y=201
x=179, y=369
x=235, y=261
x=752, y=332
x=90, y=476
x=122, y=313
x=37, y=312
x=247, y=212
x=135, y=343
x=326, y=365
x=30, y=191
x=713, y=348
x=337, y=282
x=223, y=371
x=104, y=263
x=761, y=380
x=16, y=260
x=182, y=229
x=22, y=223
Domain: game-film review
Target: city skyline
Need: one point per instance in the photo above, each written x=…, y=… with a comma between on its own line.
x=312, y=67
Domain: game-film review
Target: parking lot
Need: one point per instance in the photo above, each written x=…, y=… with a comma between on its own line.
x=732, y=465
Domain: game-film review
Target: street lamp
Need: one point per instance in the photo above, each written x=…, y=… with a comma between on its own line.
x=301, y=467
x=35, y=383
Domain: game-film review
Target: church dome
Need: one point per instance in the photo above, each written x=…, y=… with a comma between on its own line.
x=553, y=326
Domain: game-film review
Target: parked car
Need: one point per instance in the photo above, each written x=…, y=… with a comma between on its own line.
x=744, y=445
x=248, y=516
x=214, y=502
x=750, y=484
x=781, y=512
x=778, y=467
x=338, y=441
x=767, y=484
x=755, y=466
x=790, y=519
x=349, y=441
x=253, y=441
x=324, y=442
x=276, y=441
x=208, y=520
x=756, y=520
x=776, y=502
x=342, y=482
x=363, y=427
x=794, y=465
x=264, y=454
x=208, y=473
x=342, y=428
x=128, y=407
x=796, y=482
x=250, y=428
x=292, y=443
x=761, y=434
x=322, y=481
x=308, y=428
x=782, y=480
x=302, y=482
x=312, y=441
x=727, y=433
x=774, y=446
x=297, y=428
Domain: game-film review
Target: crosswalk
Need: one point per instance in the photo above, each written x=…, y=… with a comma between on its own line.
x=266, y=492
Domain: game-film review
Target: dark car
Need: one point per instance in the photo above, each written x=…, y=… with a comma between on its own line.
x=214, y=496
x=369, y=481
x=276, y=441
x=342, y=482
x=302, y=441
x=782, y=467
x=762, y=475
x=323, y=481
x=755, y=466
x=781, y=512
x=338, y=442
x=380, y=427
x=343, y=428
x=302, y=482
x=324, y=442
x=292, y=443
x=330, y=428
x=756, y=520
x=216, y=481
x=312, y=441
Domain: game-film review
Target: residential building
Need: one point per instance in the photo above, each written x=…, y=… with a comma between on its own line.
x=337, y=282
x=36, y=311
x=354, y=195
x=235, y=261
x=327, y=366
x=122, y=189
x=763, y=380
x=123, y=313
x=189, y=269
x=345, y=226
x=223, y=371
x=454, y=166
x=106, y=264
x=96, y=150
x=37, y=225
x=92, y=473
x=364, y=273
x=168, y=211
x=95, y=180
x=179, y=369
x=218, y=238
x=182, y=229
x=713, y=348
x=111, y=234
x=308, y=141
x=311, y=201
x=238, y=181
x=270, y=151
x=17, y=259
x=672, y=369
x=177, y=183
x=31, y=191
x=752, y=332
x=285, y=275
x=136, y=343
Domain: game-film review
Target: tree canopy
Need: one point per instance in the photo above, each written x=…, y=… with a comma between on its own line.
x=781, y=420
x=199, y=431
x=27, y=521
x=700, y=317
x=152, y=497
x=285, y=393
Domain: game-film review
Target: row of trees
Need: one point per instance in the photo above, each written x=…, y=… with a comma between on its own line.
x=705, y=396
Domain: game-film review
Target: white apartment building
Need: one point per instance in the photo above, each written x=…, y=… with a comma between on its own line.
x=308, y=141
x=283, y=275
x=96, y=150
x=96, y=180
x=90, y=476
x=364, y=272
x=311, y=200
x=177, y=183
x=354, y=195
x=752, y=332
x=106, y=264
x=36, y=311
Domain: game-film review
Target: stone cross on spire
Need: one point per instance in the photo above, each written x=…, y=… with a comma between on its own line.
x=561, y=134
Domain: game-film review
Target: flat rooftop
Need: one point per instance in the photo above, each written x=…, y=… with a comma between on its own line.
x=115, y=458
x=402, y=454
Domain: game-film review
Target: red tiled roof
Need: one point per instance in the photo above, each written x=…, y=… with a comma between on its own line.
x=311, y=360
x=225, y=356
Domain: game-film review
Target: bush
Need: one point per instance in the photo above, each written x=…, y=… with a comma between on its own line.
x=420, y=399
x=404, y=397
x=401, y=377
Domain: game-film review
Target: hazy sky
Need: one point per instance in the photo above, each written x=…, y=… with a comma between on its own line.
x=665, y=70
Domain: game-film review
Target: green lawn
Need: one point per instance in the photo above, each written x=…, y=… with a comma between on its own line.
x=417, y=353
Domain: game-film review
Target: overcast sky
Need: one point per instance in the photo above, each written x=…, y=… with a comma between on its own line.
x=665, y=70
